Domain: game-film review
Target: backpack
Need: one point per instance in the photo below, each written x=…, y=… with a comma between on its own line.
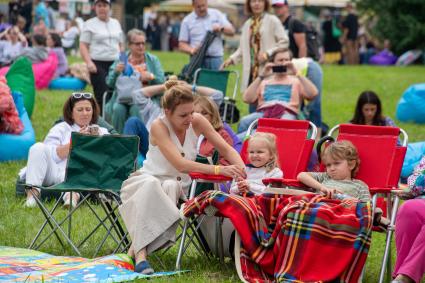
x=311, y=38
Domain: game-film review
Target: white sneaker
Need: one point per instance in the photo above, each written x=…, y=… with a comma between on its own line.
x=67, y=201
x=30, y=202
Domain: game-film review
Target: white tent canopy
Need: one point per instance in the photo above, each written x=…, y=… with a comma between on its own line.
x=325, y=3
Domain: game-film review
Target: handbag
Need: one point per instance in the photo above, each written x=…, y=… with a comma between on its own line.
x=125, y=85
x=336, y=31
x=232, y=114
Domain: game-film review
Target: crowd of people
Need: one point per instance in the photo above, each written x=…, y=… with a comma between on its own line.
x=176, y=121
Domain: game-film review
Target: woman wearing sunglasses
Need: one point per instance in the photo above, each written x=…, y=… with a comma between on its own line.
x=47, y=160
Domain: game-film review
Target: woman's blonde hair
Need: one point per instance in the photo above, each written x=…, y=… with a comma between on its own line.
x=270, y=140
x=176, y=93
x=211, y=108
x=343, y=150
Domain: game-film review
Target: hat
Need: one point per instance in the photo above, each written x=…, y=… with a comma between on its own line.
x=105, y=1
x=279, y=2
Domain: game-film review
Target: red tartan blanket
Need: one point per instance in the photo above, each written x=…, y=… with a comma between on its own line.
x=305, y=238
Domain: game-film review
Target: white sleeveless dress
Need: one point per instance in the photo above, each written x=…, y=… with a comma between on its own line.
x=149, y=196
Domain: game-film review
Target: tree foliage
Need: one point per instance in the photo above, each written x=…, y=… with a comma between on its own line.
x=400, y=21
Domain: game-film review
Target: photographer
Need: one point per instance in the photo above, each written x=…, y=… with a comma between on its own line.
x=278, y=91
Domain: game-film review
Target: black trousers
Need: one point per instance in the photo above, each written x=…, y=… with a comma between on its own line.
x=98, y=80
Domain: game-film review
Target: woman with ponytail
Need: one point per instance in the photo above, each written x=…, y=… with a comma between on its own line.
x=150, y=195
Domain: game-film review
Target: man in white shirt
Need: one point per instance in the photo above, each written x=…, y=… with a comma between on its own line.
x=195, y=27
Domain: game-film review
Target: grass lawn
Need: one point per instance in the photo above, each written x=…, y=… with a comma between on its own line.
x=342, y=85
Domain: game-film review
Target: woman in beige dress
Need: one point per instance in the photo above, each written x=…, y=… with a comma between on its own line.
x=150, y=195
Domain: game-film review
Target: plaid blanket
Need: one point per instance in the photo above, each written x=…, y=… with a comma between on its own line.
x=306, y=238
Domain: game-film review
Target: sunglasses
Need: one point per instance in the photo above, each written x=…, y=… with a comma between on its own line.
x=78, y=95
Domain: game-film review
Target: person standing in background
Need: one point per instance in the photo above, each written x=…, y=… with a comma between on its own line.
x=349, y=37
x=194, y=28
x=295, y=28
x=101, y=41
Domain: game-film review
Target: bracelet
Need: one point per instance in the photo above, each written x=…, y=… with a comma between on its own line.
x=216, y=170
x=194, y=89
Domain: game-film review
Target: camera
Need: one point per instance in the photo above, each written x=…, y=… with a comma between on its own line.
x=279, y=69
x=93, y=130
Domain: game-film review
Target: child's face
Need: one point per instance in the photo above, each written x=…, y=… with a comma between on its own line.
x=201, y=110
x=338, y=169
x=258, y=153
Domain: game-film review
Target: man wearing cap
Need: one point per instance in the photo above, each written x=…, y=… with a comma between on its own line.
x=101, y=41
x=195, y=27
x=296, y=29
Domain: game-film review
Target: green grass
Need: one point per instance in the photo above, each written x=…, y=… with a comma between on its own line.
x=342, y=85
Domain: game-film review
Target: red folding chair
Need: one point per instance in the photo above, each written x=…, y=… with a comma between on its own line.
x=295, y=140
x=381, y=158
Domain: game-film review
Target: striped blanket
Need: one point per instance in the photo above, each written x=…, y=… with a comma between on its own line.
x=306, y=238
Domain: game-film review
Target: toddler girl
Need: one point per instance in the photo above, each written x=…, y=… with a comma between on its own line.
x=342, y=163
x=263, y=163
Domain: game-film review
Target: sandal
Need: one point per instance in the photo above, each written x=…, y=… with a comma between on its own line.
x=144, y=267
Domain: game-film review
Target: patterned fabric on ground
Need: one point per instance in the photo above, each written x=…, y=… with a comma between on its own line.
x=22, y=265
x=306, y=238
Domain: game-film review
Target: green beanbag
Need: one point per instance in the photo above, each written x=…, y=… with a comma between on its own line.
x=20, y=78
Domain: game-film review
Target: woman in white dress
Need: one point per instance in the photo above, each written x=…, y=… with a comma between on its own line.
x=150, y=195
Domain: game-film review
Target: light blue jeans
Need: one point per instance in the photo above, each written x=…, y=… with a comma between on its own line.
x=313, y=110
x=212, y=63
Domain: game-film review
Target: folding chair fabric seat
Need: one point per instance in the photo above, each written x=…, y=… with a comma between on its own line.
x=381, y=158
x=97, y=165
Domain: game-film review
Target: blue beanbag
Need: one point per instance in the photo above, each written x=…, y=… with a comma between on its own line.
x=414, y=154
x=67, y=83
x=411, y=107
x=16, y=147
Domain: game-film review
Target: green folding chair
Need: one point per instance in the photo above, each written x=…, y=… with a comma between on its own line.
x=219, y=80
x=97, y=167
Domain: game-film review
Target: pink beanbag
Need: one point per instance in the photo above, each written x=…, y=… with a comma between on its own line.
x=43, y=71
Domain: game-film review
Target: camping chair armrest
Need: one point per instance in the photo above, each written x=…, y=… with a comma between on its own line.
x=210, y=178
x=383, y=190
x=281, y=182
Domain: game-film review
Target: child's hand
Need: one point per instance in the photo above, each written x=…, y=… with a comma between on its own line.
x=243, y=186
x=329, y=192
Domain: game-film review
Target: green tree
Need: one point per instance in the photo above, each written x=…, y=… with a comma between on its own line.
x=400, y=21
x=135, y=7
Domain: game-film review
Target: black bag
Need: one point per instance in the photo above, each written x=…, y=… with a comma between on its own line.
x=311, y=38
x=232, y=111
x=197, y=59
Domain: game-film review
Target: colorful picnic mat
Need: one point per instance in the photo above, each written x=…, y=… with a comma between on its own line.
x=23, y=265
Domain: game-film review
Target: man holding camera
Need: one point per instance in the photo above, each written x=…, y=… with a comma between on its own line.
x=278, y=90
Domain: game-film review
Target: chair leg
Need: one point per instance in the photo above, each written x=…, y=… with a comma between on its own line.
x=386, y=260
x=180, y=254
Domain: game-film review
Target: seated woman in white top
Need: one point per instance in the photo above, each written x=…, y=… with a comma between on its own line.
x=12, y=42
x=150, y=195
x=47, y=160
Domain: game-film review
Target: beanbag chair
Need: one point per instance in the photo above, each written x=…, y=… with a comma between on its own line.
x=9, y=117
x=43, y=71
x=408, y=57
x=411, y=106
x=414, y=154
x=16, y=147
x=383, y=58
x=20, y=78
x=67, y=83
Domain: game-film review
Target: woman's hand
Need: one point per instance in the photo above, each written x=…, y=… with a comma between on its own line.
x=119, y=68
x=233, y=171
x=92, y=67
x=226, y=63
x=85, y=130
x=290, y=68
x=267, y=71
x=262, y=58
x=63, y=150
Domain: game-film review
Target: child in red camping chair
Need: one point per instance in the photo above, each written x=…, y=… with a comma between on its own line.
x=263, y=163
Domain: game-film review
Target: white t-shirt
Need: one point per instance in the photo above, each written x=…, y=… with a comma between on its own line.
x=9, y=51
x=69, y=36
x=103, y=38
